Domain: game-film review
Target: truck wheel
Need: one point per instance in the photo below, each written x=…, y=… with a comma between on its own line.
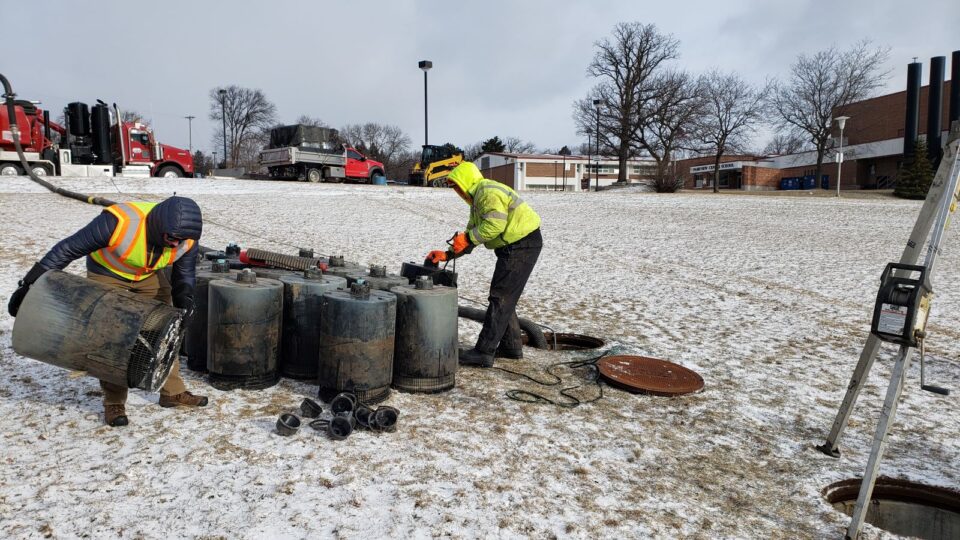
x=169, y=171
x=314, y=176
x=10, y=169
x=39, y=170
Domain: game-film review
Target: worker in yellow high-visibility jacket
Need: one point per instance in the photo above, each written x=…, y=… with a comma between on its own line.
x=503, y=222
x=126, y=246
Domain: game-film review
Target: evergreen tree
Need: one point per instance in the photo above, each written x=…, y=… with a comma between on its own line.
x=915, y=177
x=493, y=145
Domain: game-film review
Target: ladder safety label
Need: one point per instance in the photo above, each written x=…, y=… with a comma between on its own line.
x=892, y=319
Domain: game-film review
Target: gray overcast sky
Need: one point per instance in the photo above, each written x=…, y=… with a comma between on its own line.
x=507, y=68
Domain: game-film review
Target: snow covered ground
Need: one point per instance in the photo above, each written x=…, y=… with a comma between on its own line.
x=768, y=298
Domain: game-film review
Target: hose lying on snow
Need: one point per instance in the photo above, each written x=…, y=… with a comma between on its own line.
x=15, y=134
x=534, y=333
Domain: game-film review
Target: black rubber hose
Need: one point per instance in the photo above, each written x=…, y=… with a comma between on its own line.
x=535, y=337
x=15, y=132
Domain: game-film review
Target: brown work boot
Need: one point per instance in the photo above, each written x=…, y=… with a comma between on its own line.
x=183, y=398
x=115, y=415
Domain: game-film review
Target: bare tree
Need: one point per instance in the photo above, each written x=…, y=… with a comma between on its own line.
x=130, y=115
x=384, y=143
x=732, y=109
x=627, y=65
x=472, y=151
x=668, y=124
x=515, y=145
x=249, y=117
x=822, y=85
x=785, y=143
x=311, y=121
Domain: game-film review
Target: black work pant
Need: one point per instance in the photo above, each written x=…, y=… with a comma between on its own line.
x=515, y=263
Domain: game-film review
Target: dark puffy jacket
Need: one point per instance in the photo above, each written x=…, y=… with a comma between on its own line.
x=176, y=216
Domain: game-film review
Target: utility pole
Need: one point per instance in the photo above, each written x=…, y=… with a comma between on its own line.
x=596, y=103
x=190, y=123
x=223, y=116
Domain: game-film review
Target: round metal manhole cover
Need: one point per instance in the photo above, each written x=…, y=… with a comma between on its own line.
x=649, y=375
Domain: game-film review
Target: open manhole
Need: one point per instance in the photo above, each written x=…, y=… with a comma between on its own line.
x=569, y=342
x=902, y=507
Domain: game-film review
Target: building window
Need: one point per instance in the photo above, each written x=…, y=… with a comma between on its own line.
x=603, y=169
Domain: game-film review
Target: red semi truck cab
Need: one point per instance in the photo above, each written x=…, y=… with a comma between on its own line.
x=140, y=147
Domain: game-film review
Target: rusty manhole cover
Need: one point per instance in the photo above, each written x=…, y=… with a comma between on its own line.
x=649, y=375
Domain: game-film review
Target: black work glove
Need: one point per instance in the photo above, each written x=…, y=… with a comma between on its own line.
x=184, y=301
x=24, y=285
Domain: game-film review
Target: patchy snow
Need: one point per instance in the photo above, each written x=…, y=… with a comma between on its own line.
x=768, y=298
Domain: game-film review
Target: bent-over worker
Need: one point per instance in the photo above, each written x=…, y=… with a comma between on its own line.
x=503, y=222
x=126, y=246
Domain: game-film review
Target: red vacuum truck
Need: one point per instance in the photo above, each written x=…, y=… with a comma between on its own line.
x=91, y=144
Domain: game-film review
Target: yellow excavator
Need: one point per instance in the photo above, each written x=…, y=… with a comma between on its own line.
x=435, y=164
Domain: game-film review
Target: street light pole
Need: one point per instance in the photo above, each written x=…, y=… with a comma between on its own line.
x=564, y=172
x=425, y=65
x=841, y=121
x=596, y=104
x=190, y=123
x=223, y=116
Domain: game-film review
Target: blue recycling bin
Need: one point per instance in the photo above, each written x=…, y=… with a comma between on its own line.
x=824, y=181
x=789, y=183
x=808, y=182
x=379, y=180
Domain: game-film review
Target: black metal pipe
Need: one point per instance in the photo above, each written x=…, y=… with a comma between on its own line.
x=912, y=122
x=954, y=88
x=935, y=109
x=46, y=126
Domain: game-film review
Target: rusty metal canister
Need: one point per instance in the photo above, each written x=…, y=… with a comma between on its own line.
x=425, y=354
x=244, y=322
x=302, y=296
x=356, y=343
x=111, y=334
x=195, y=341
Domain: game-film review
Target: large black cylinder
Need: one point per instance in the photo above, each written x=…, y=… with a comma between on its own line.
x=302, y=298
x=911, y=126
x=356, y=343
x=78, y=115
x=425, y=354
x=935, y=108
x=337, y=266
x=274, y=273
x=78, y=324
x=954, y=88
x=244, y=332
x=195, y=342
x=378, y=278
x=100, y=124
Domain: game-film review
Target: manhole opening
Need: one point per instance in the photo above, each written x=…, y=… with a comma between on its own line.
x=901, y=507
x=569, y=342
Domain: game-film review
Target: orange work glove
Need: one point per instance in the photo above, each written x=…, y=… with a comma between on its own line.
x=461, y=244
x=437, y=256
